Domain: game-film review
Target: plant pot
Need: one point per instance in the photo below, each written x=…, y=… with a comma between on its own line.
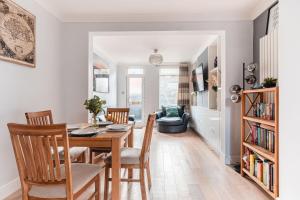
x=269, y=85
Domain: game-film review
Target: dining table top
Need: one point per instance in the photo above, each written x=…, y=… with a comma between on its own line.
x=102, y=136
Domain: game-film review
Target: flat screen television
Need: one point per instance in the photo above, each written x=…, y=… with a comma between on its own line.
x=199, y=78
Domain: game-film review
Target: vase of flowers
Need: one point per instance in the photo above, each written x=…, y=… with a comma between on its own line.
x=94, y=106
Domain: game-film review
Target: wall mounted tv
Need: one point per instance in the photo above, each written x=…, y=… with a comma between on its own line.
x=199, y=78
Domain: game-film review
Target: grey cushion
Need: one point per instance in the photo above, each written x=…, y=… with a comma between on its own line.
x=171, y=121
x=74, y=152
x=128, y=156
x=81, y=175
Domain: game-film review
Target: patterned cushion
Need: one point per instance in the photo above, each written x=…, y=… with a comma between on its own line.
x=81, y=175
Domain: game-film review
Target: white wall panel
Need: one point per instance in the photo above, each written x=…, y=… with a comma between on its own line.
x=269, y=56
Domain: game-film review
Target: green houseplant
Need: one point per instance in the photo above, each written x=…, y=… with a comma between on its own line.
x=270, y=82
x=94, y=106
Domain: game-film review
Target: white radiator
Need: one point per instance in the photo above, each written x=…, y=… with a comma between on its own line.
x=268, y=49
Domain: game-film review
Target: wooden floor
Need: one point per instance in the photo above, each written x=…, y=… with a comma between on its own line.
x=184, y=168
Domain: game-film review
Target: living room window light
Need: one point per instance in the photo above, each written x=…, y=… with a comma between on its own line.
x=135, y=71
x=168, y=86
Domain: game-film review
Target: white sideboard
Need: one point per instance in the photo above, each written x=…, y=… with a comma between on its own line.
x=206, y=122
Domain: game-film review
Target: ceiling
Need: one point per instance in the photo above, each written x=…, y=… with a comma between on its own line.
x=151, y=10
x=136, y=48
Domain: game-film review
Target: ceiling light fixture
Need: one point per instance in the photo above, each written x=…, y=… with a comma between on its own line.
x=155, y=58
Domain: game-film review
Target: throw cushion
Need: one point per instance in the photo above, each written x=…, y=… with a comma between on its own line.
x=172, y=111
x=180, y=110
x=164, y=111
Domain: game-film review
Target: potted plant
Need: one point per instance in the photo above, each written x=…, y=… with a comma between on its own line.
x=94, y=106
x=270, y=82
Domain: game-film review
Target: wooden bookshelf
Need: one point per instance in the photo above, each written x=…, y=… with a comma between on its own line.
x=249, y=100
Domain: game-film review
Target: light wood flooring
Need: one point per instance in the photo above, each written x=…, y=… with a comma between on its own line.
x=184, y=168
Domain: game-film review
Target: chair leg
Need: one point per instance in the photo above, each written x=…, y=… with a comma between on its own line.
x=91, y=156
x=25, y=192
x=142, y=183
x=97, y=187
x=106, y=183
x=148, y=175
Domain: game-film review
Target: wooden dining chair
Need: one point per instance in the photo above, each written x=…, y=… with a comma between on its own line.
x=134, y=158
x=117, y=116
x=77, y=154
x=42, y=176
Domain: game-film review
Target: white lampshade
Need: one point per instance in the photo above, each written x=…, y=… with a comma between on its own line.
x=155, y=58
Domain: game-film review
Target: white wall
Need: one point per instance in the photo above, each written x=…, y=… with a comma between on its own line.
x=25, y=89
x=239, y=44
x=289, y=108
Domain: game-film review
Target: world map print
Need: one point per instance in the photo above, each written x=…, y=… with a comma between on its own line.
x=17, y=34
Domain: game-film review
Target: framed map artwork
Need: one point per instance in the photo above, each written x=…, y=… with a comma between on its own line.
x=17, y=34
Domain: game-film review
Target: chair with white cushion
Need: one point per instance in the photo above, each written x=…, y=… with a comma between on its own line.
x=77, y=154
x=42, y=176
x=134, y=158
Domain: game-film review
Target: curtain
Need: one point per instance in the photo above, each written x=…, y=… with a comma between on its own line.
x=184, y=86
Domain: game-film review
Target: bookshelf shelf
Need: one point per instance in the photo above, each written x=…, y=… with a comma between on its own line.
x=261, y=151
x=259, y=183
x=259, y=120
x=251, y=100
x=260, y=90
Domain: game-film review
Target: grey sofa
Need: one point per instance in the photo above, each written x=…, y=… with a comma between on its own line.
x=172, y=124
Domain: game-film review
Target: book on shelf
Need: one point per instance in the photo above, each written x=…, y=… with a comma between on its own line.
x=264, y=110
x=261, y=168
x=263, y=137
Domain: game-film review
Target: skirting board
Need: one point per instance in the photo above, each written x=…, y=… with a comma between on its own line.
x=9, y=188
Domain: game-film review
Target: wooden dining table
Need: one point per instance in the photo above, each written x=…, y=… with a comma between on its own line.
x=108, y=139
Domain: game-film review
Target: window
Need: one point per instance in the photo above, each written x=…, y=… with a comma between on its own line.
x=135, y=71
x=168, y=86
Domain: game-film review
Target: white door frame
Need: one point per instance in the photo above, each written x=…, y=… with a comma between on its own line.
x=142, y=122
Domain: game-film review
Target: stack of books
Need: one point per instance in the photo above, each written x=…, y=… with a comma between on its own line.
x=263, y=137
x=261, y=168
x=264, y=110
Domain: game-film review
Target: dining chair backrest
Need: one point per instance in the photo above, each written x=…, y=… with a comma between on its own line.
x=39, y=118
x=118, y=115
x=36, y=152
x=147, y=138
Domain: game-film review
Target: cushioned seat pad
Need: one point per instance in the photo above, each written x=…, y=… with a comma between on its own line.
x=128, y=156
x=74, y=152
x=81, y=175
x=170, y=121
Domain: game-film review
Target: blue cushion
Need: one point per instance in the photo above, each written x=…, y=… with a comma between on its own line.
x=172, y=111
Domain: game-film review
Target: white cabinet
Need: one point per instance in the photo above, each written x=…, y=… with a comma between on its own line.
x=206, y=122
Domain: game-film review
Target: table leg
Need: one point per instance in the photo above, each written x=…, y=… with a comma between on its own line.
x=130, y=144
x=116, y=169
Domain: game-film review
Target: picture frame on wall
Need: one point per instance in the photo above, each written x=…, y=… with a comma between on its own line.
x=17, y=34
x=101, y=80
x=273, y=18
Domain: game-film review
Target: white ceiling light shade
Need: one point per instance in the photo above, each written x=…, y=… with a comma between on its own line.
x=155, y=58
